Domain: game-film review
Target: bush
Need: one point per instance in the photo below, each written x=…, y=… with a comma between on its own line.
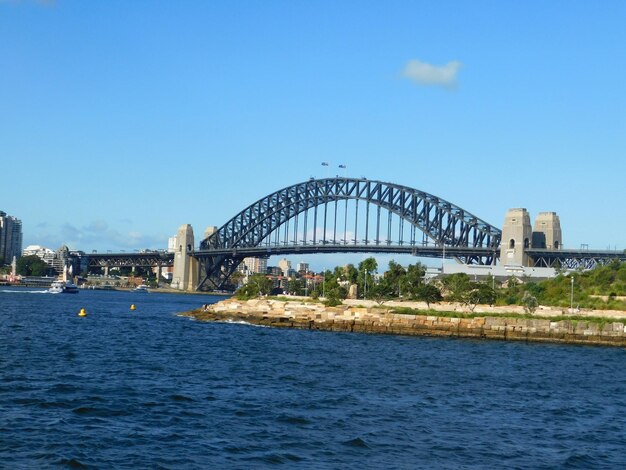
x=529, y=302
x=332, y=302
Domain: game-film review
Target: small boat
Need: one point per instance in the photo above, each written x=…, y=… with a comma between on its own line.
x=63, y=287
x=141, y=288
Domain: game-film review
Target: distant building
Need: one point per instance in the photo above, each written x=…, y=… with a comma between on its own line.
x=275, y=271
x=302, y=267
x=255, y=265
x=285, y=265
x=10, y=237
x=58, y=260
x=171, y=245
x=46, y=254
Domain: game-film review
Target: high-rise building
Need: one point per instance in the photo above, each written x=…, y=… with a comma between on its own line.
x=255, y=265
x=285, y=265
x=10, y=238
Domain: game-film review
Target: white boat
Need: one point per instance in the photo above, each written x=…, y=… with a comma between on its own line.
x=63, y=287
x=141, y=288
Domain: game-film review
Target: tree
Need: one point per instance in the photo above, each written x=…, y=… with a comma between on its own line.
x=428, y=293
x=379, y=292
x=332, y=288
x=366, y=268
x=529, y=302
x=235, y=279
x=458, y=285
x=296, y=286
x=32, y=265
x=479, y=293
x=393, y=279
x=413, y=279
x=351, y=273
x=258, y=284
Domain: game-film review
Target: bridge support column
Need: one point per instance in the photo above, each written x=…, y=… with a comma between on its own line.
x=185, y=266
x=516, y=237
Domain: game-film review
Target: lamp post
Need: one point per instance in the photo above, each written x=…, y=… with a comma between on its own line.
x=306, y=283
x=571, y=300
x=443, y=256
x=365, y=282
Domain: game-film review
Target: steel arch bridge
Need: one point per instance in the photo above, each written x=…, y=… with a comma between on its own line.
x=346, y=215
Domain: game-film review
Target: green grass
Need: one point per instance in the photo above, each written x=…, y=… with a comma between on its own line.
x=282, y=298
x=600, y=321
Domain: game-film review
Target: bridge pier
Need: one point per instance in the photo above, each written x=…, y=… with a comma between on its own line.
x=518, y=237
x=185, y=275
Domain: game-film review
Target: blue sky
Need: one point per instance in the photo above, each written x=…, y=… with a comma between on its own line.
x=120, y=121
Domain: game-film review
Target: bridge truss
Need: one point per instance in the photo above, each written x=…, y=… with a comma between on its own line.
x=144, y=259
x=346, y=215
x=573, y=259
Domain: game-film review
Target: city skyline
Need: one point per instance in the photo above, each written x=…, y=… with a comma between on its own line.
x=122, y=123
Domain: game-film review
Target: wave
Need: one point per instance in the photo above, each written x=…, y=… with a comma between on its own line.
x=25, y=291
x=242, y=322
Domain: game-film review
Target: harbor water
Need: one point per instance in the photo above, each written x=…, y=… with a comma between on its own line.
x=147, y=388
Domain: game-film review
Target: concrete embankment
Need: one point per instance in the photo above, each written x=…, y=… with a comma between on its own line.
x=314, y=316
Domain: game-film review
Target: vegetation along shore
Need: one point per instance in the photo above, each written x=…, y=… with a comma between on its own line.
x=589, y=311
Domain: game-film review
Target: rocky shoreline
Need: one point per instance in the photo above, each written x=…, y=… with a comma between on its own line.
x=595, y=330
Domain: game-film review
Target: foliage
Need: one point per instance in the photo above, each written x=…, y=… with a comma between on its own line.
x=481, y=293
x=529, y=302
x=235, y=279
x=379, y=292
x=457, y=286
x=32, y=265
x=601, y=288
x=413, y=280
x=296, y=286
x=332, y=302
x=428, y=293
x=600, y=321
x=393, y=279
x=257, y=285
x=365, y=279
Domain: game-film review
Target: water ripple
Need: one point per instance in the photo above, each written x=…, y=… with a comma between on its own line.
x=154, y=390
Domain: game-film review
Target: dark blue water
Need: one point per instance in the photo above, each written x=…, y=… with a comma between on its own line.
x=150, y=389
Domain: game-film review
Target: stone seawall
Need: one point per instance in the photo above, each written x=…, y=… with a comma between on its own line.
x=304, y=315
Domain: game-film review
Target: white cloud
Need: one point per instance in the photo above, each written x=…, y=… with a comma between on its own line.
x=95, y=235
x=423, y=73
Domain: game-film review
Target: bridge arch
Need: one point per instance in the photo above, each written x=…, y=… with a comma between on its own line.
x=441, y=222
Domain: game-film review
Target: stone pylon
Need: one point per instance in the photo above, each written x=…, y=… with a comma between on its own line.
x=516, y=236
x=185, y=276
x=547, y=231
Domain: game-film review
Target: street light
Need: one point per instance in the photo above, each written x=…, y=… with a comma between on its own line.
x=571, y=300
x=365, y=282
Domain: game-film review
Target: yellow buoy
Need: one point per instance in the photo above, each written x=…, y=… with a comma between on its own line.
x=82, y=313
x=132, y=306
